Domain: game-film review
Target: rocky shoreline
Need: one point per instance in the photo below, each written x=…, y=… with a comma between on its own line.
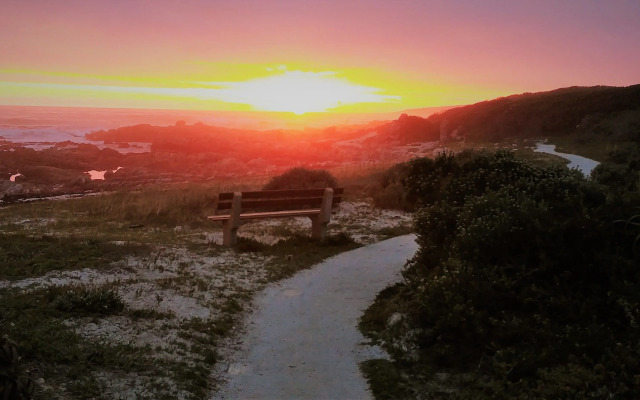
x=193, y=153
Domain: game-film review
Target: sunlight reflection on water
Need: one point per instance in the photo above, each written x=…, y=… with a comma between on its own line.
x=14, y=176
x=99, y=175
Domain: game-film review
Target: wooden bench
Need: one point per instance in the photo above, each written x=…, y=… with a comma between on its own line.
x=316, y=204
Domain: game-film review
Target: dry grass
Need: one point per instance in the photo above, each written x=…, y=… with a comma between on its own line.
x=165, y=297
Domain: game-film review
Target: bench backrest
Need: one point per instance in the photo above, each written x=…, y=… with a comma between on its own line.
x=279, y=200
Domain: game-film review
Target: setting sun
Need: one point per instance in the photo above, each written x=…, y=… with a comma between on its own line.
x=304, y=57
x=298, y=92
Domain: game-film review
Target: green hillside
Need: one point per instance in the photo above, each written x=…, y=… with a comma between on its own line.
x=604, y=111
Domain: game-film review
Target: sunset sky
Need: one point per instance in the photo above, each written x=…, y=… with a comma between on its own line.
x=301, y=56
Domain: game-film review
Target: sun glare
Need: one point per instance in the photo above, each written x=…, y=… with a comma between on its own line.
x=298, y=92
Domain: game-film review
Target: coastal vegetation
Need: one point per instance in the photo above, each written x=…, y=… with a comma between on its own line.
x=526, y=282
x=302, y=178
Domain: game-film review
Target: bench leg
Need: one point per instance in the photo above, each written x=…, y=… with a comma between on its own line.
x=320, y=222
x=318, y=228
x=229, y=234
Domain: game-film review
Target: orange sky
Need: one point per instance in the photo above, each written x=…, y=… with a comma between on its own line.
x=300, y=56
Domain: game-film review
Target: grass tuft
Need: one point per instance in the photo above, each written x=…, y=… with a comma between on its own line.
x=248, y=245
x=91, y=301
x=23, y=256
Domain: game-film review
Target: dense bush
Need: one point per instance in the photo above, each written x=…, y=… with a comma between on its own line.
x=523, y=279
x=388, y=190
x=408, y=185
x=302, y=178
x=621, y=172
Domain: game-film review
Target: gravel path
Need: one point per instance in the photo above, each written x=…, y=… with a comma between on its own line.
x=302, y=341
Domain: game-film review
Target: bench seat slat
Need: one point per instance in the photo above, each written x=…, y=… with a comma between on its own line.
x=275, y=194
x=276, y=203
x=272, y=214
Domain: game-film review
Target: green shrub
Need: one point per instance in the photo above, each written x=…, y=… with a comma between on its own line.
x=621, y=172
x=391, y=197
x=389, y=191
x=302, y=178
x=384, y=379
x=522, y=280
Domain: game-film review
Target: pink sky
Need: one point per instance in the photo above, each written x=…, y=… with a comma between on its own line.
x=416, y=53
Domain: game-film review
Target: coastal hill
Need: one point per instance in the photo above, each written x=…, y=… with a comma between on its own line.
x=598, y=112
x=588, y=110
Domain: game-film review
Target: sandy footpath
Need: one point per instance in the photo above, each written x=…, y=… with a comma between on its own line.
x=302, y=341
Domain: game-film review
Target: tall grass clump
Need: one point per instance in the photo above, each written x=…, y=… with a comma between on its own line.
x=89, y=301
x=155, y=205
x=23, y=256
x=173, y=205
x=388, y=189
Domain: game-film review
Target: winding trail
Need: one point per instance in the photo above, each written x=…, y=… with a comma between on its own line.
x=302, y=341
x=583, y=164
